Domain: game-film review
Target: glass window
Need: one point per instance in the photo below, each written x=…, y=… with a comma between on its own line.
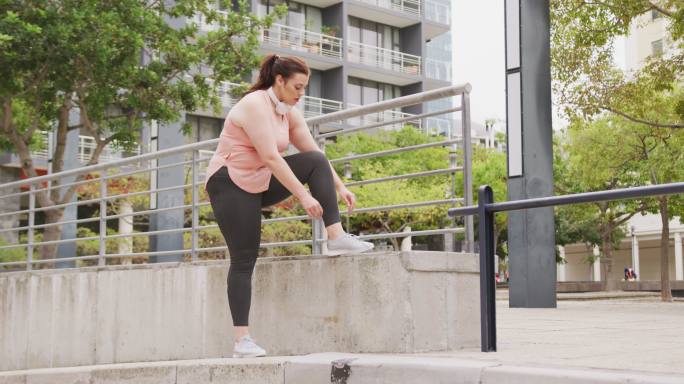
x=657, y=47
x=354, y=91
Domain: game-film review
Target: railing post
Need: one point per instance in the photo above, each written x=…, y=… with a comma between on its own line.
x=195, y=214
x=487, y=283
x=467, y=169
x=31, y=223
x=317, y=227
x=101, y=261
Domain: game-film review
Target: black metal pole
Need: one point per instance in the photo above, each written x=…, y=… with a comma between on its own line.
x=487, y=284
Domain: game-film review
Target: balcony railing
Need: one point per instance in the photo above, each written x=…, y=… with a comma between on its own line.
x=412, y=7
x=303, y=41
x=86, y=147
x=384, y=58
x=315, y=106
x=438, y=69
x=439, y=12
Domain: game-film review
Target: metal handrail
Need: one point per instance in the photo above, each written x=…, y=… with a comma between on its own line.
x=486, y=209
x=198, y=152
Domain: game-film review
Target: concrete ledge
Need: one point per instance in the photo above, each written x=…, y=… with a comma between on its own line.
x=334, y=368
x=384, y=302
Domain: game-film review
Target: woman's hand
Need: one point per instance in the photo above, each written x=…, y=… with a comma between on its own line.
x=312, y=206
x=348, y=197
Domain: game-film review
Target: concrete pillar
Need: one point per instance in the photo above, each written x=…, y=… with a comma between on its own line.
x=596, y=266
x=125, y=244
x=406, y=243
x=679, y=265
x=561, y=266
x=71, y=161
x=635, y=255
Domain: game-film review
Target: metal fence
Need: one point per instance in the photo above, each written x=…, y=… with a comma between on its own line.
x=179, y=203
x=486, y=208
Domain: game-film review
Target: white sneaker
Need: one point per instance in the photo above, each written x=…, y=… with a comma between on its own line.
x=347, y=243
x=246, y=347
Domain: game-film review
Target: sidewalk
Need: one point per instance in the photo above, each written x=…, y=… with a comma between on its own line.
x=638, y=340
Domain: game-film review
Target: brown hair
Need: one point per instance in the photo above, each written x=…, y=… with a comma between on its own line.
x=273, y=65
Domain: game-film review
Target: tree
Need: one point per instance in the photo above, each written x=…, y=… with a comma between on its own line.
x=396, y=191
x=597, y=161
x=118, y=65
x=587, y=82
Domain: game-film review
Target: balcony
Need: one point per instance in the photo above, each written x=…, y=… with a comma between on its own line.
x=438, y=16
x=438, y=69
x=86, y=147
x=301, y=40
x=438, y=12
x=315, y=106
x=397, y=13
x=387, y=60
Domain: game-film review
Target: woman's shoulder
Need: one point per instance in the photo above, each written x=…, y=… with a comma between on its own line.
x=248, y=105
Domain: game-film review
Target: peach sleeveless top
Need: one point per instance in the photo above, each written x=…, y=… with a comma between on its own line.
x=236, y=151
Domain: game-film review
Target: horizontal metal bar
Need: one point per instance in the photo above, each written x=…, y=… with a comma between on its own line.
x=412, y=233
x=17, y=194
x=74, y=258
x=384, y=123
x=157, y=168
x=157, y=190
x=589, y=197
x=403, y=206
x=150, y=233
x=396, y=150
x=11, y=263
x=406, y=176
x=78, y=221
x=147, y=212
x=577, y=198
x=398, y=102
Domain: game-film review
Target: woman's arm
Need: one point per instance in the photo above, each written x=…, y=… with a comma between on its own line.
x=300, y=137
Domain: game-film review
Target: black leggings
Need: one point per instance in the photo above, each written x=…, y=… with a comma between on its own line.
x=238, y=214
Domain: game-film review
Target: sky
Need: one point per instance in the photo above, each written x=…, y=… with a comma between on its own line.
x=478, y=56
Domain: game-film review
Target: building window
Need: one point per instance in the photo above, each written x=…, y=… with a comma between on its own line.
x=375, y=34
x=298, y=15
x=657, y=47
x=204, y=128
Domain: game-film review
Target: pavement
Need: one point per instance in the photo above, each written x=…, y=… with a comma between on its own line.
x=632, y=339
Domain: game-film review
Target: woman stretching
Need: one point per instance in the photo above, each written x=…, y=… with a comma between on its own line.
x=248, y=172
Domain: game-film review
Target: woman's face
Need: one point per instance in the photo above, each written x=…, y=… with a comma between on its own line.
x=292, y=89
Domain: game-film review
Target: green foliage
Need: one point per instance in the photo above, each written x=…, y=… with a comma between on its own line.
x=586, y=79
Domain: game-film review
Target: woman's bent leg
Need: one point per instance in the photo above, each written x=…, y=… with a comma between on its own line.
x=313, y=169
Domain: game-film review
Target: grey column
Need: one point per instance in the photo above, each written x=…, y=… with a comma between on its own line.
x=71, y=161
x=169, y=136
x=531, y=236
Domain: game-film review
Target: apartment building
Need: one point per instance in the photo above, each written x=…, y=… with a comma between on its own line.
x=359, y=51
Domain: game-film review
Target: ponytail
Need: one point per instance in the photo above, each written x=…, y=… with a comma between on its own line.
x=274, y=65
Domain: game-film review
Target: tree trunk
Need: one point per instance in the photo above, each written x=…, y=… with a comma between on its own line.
x=665, y=290
x=51, y=233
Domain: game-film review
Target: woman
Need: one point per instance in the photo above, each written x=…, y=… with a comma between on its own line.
x=247, y=172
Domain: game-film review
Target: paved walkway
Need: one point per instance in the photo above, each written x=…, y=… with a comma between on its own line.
x=637, y=340
x=642, y=334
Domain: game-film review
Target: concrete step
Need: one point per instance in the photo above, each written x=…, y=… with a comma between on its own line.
x=334, y=368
